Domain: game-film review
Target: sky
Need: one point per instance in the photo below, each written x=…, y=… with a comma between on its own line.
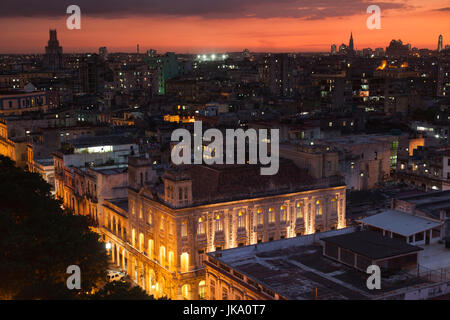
x=197, y=26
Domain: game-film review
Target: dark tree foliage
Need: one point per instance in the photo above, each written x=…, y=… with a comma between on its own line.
x=121, y=290
x=38, y=241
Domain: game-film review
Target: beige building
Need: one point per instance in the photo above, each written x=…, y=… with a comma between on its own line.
x=16, y=149
x=161, y=234
x=18, y=102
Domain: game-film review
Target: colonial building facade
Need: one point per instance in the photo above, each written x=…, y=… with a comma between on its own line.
x=161, y=233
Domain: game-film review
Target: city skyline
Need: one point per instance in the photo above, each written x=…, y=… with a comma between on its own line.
x=224, y=28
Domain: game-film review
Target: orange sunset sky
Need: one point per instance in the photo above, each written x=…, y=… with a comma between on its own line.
x=192, y=26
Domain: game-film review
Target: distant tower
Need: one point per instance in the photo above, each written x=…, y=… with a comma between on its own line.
x=138, y=48
x=440, y=46
x=351, y=48
x=103, y=52
x=333, y=49
x=53, y=58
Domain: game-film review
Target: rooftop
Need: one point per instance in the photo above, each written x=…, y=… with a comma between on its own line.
x=294, y=268
x=236, y=182
x=372, y=244
x=399, y=222
x=94, y=141
x=430, y=202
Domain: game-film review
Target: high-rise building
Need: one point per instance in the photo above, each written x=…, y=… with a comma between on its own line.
x=333, y=49
x=351, y=48
x=103, y=52
x=167, y=67
x=278, y=72
x=443, y=83
x=440, y=43
x=53, y=58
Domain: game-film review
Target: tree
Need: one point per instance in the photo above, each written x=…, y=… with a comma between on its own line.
x=39, y=240
x=121, y=290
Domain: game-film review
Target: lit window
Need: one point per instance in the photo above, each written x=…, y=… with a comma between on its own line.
x=241, y=220
x=260, y=217
x=299, y=211
x=201, y=226
x=161, y=226
x=271, y=216
x=283, y=214
x=202, y=290
x=318, y=208
x=184, y=229
x=219, y=223
x=333, y=205
x=184, y=262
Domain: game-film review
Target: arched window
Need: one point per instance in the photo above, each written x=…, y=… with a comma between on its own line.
x=184, y=228
x=141, y=242
x=318, y=208
x=151, y=248
x=162, y=255
x=260, y=217
x=271, y=215
x=283, y=214
x=202, y=290
x=219, y=223
x=161, y=225
x=241, y=220
x=334, y=206
x=150, y=217
x=171, y=261
x=133, y=238
x=299, y=211
x=184, y=262
x=185, y=292
x=201, y=226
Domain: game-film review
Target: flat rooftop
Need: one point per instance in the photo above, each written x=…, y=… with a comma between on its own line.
x=94, y=141
x=295, y=268
x=356, y=139
x=399, y=222
x=111, y=171
x=372, y=244
x=430, y=202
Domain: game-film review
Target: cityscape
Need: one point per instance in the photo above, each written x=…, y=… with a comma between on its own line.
x=209, y=174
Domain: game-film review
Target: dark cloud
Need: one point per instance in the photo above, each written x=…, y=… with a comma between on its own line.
x=442, y=9
x=224, y=9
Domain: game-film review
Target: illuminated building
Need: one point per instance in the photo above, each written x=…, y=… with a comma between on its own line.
x=278, y=72
x=80, y=166
x=7, y=147
x=443, y=81
x=161, y=233
x=19, y=102
x=323, y=266
x=167, y=67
